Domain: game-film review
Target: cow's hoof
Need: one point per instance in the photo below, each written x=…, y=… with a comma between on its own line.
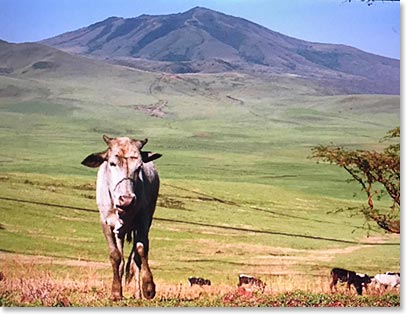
x=149, y=290
x=115, y=297
x=137, y=295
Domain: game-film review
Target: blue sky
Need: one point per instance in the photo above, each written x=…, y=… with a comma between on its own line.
x=373, y=28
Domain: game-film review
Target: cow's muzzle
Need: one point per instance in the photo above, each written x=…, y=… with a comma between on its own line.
x=126, y=200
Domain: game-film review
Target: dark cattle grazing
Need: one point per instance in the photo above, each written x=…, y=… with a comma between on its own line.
x=126, y=195
x=350, y=277
x=251, y=281
x=199, y=281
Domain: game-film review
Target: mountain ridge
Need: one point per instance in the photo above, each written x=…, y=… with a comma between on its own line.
x=203, y=40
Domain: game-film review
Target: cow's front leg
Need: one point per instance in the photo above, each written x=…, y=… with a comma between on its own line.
x=348, y=286
x=366, y=287
x=115, y=245
x=333, y=283
x=359, y=288
x=148, y=285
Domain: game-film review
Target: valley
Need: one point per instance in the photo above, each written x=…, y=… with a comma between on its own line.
x=239, y=192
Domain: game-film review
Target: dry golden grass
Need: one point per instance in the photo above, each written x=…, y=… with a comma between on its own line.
x=45, y=281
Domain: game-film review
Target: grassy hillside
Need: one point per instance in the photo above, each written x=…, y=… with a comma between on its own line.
x=238, y=193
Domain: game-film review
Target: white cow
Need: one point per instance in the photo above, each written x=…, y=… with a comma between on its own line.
x=387, y=280
x=126, y=194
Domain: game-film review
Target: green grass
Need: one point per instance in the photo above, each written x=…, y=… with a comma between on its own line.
x=239, y=192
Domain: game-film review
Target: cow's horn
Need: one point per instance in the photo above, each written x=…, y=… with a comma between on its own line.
x=141, y=143
x=107, y=139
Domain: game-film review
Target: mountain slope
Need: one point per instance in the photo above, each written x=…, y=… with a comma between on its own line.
x=35, y=72
x=202, y=40
x=32, y=72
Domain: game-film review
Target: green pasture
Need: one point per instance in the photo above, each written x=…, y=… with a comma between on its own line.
x=239, y=192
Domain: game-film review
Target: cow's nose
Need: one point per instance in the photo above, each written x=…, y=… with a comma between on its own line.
x=126, y=200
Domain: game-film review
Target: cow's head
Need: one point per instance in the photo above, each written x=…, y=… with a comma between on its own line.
x=363, y=278
x=124, y=162
x=367, y=279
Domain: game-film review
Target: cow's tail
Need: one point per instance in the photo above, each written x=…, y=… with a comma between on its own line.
x=129, y=273
x=129, y=236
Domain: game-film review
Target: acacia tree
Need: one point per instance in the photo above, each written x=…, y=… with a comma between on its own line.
x=378, y=173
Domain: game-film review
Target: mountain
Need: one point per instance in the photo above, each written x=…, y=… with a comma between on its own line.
x=43, y=89
x=33, y=59
x=202, y=40
x=34, y=73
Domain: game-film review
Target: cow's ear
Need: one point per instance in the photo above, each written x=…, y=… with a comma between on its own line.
x=149, y=156
x=95, y=160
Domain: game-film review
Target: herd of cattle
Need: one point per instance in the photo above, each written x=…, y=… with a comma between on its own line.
x=126, y=194
x=359, y=281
